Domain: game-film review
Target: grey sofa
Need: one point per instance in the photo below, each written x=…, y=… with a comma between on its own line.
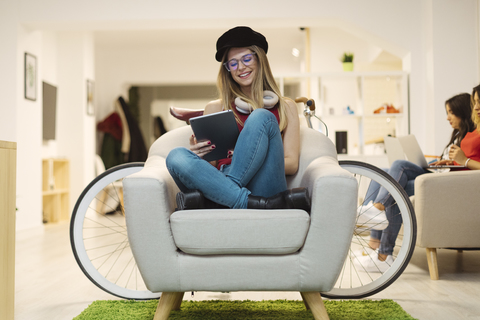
x=241, y=250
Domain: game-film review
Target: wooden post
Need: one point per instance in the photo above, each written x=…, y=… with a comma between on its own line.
x=8, y=165
x=314, y=301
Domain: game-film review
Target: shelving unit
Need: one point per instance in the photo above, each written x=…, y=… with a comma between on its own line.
x=55, y=189
x=363, y=92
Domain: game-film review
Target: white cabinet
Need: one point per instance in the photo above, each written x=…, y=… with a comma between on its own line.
x=361, y=92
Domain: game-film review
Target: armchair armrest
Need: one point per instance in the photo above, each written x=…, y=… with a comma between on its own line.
x=149, y=197
x=446, y=207
x=334, y=201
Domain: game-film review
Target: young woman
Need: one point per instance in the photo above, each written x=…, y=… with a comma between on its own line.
x=459, y=115
x=468, y=153
x=252, y=175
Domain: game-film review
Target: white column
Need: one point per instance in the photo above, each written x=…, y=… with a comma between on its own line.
x=452, y=62
x=76, y=129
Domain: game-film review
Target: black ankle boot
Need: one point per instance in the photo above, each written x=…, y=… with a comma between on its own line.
x=296, y=198
x=194, y=199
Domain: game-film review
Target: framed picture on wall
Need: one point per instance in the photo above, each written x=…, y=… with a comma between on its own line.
x=90, y=94
x=30, y=77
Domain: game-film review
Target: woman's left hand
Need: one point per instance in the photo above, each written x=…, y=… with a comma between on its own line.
x=457, y=154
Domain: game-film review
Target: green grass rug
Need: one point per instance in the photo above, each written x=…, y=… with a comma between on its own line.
x=251, y=310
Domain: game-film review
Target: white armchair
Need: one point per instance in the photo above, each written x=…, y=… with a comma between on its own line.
x=243, y=249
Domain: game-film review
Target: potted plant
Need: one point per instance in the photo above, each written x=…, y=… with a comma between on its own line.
x=347, y=61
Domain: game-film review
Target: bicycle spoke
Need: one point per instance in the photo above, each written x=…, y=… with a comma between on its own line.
x=105, y=246
x=106, y=234
x=105, y=226
x=126, y=266
x=111, y=253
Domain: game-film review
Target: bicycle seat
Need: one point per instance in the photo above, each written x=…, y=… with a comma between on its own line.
x=185, y=114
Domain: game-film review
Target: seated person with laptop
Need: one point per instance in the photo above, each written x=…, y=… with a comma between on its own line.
x=463, y=114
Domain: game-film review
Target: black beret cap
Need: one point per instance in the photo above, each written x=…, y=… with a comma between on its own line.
x=239, y=37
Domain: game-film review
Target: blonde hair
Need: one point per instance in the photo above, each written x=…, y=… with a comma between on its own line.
x=228, y=89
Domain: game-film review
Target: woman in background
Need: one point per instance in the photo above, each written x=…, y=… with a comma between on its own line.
x=383, y=215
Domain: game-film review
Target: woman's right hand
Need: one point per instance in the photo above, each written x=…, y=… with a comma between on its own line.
x=442, y=162
x=200, y=148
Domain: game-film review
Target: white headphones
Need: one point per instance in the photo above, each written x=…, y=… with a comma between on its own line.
x=270, y=99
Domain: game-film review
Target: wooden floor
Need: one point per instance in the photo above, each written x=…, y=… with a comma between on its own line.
x=50, y=285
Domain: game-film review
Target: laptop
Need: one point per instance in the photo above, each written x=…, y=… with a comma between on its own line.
x=407, y=148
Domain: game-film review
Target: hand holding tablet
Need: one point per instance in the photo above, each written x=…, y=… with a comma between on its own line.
x=220, y=128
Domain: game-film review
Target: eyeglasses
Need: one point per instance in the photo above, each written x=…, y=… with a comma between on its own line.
x=232, y=65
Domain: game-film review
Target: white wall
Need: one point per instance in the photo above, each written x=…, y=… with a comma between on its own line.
x=76, y=129
x=455, y=59
x=65, y=60
x=29, y=136
x=10, y=72
x=329, y=44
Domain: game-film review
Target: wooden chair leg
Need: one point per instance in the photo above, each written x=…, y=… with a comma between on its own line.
x=432, y=263
x=315, y=302
x=305, y=301
x=168, y=302
x=178, y=302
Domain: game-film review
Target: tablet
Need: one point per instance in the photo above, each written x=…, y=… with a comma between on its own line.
x=220, y=128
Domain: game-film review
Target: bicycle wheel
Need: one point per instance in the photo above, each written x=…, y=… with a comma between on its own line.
x=98, y=236
x=356, y=280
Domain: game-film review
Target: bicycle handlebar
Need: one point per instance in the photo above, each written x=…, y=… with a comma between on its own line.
x=309, y=102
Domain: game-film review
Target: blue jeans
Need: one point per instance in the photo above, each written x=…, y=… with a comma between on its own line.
x=404, y=172
x=258, y=165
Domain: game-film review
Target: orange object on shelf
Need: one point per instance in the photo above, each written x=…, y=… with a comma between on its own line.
x=386, y=108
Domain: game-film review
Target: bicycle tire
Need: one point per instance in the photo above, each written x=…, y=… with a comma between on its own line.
x=99, y=240
x=362, y=283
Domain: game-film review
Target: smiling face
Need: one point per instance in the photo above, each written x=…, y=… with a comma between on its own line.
x=243, y=75
x=454, y=121
x=476, y=105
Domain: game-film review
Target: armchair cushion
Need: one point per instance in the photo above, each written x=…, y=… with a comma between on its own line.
x=213, y=232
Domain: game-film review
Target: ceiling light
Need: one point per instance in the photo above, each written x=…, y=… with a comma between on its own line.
x=295, y=52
